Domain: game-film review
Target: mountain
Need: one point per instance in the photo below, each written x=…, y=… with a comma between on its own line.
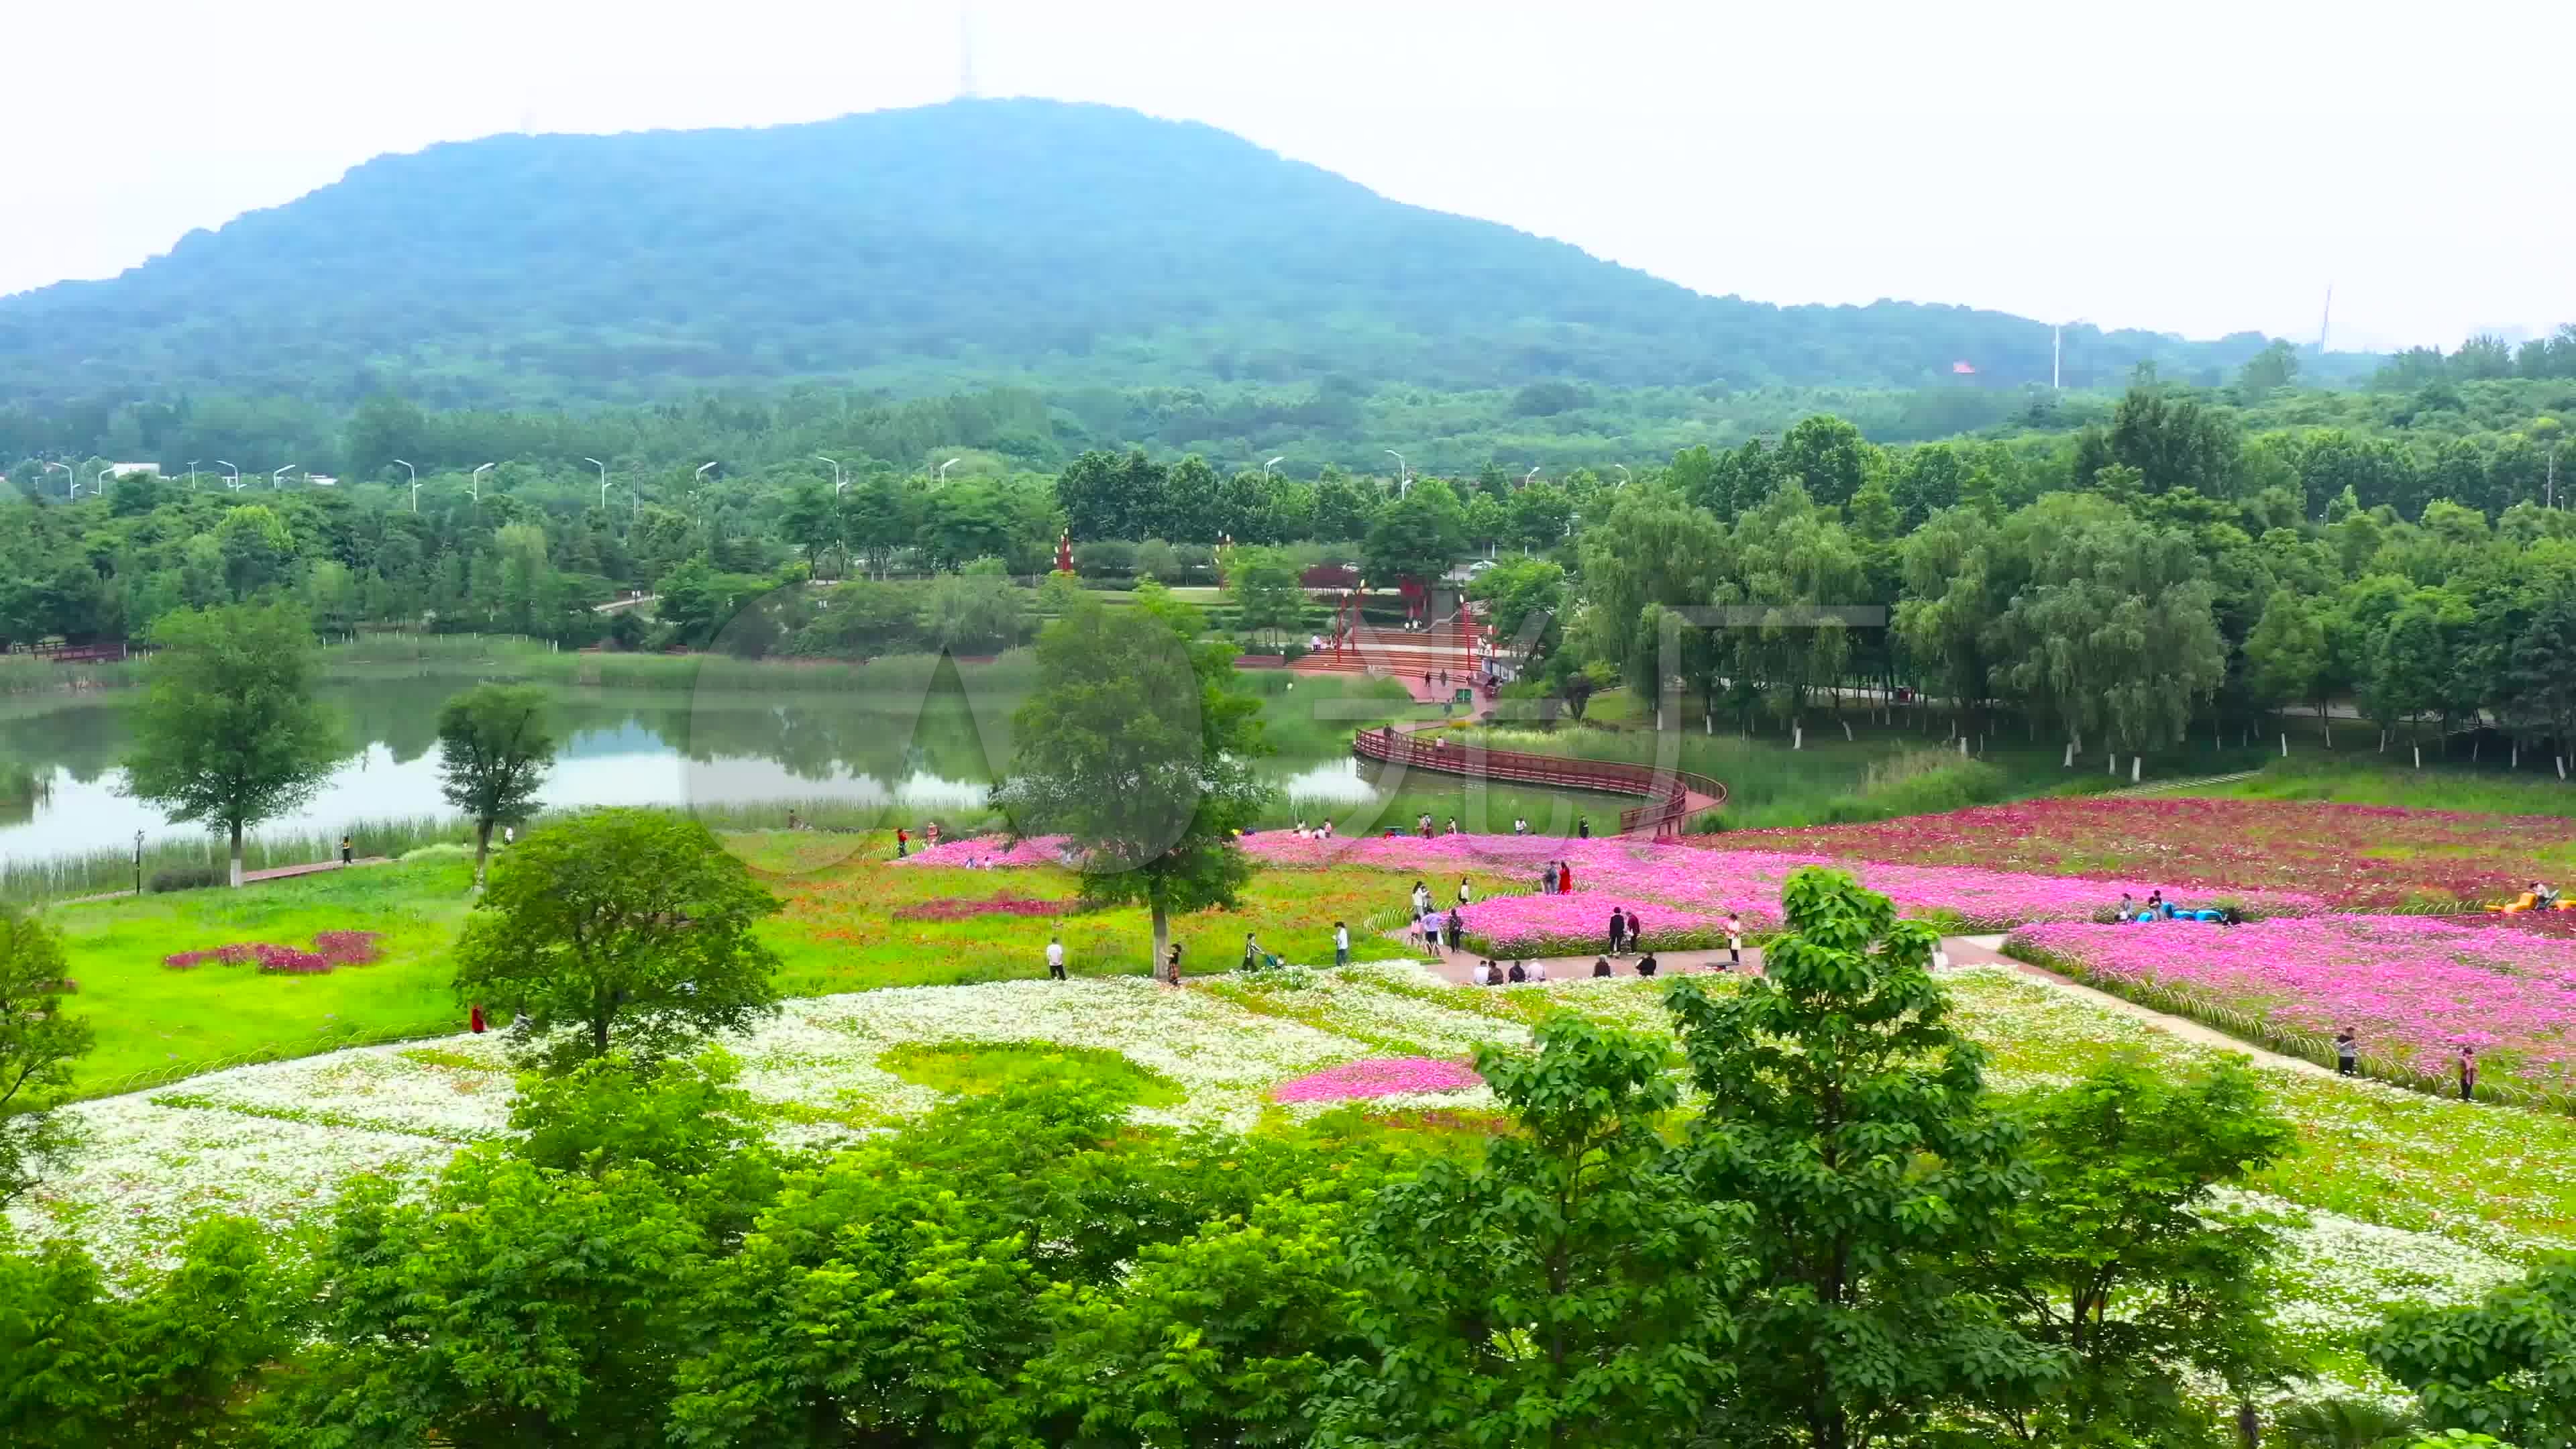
x=923, y=249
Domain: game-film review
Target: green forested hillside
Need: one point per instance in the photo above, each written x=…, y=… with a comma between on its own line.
x=918, y=250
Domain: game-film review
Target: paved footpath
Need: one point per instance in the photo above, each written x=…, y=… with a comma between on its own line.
x=252, y=877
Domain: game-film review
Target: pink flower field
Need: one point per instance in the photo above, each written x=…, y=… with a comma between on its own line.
x=1573, y=925
x=1708, y=883
x=1690, y=884
x=1379, y=1077
x=990, y=851
x=2413, y=988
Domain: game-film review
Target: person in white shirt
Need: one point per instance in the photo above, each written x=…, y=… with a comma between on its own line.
x=1462, y=890
x=1538, y=971
x=1055, y=957
x=1341, y=944
x=1482, y=975
x=1520, y=826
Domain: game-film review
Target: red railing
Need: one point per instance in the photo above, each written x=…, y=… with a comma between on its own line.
x=1667, y=792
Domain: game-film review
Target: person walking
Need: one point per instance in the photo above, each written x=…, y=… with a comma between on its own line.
x=902, y=842
x=1462, y=890
x=1583, y=829
x=1172, y=966
x=2468, y=1072
x=1251, y=952
x=1341, y=944
x=1564, y=878
x=347, y=853
x=2347, y=1053
x=1055, y=957
x=1734, y=939
x=1457, y=928
x=1421, y=899
x=474, y=1018
x=1547, y=879
x=1520, y=825
x=1618, y=932
x=1636, y=931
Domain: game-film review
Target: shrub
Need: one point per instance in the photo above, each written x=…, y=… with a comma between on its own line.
x=186, y=878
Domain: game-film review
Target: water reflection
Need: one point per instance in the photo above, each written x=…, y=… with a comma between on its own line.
x=923, y=756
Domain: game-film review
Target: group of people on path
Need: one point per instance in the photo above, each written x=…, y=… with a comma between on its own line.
x=1488, y=972
x=1433, y=930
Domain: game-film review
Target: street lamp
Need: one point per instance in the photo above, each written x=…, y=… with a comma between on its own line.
x=838, y=483
x=69, y=477
x=944, y=467
x=474, y=484
x=1403, y=473
x=1530, y=477
x=100, y=489
x=192, y=474
x=1624, y=476
x=1273, y=463
x=415, y=484
x=275, y=480
x=603, y=479
x=234, y=482
x=2056, y=345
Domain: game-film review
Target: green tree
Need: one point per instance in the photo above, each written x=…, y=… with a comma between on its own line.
x=169, y=1358
x=494, y=748
x=256, y=549
x=1825, y=455
x=632, y=920
x=1571, y=1288
x=2268, y=371
x=2497, y=1366
x=1849, y=1115
x=38, y=1044
x=2125, y=1259
x=230, y=732
x=2286, y=654
x=810, y=520
x=1523, y=599
x=1262, y=586
x=1417, y=536
x=2538, y=681
x=1136, y=744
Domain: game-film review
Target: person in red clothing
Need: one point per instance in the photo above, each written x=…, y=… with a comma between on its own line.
x=1564, y=879
x=474, y=1019
x=902, y=842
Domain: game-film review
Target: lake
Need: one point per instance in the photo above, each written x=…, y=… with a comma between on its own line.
x=915, y=759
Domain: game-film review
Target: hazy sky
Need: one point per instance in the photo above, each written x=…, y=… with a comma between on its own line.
x=2192, y=167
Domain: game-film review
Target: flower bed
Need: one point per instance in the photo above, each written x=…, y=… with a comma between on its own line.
x=330, y=949
x=1378, y=1077
x=2414, y=989
x=2349, y=857
x=955, y=908
x=1579, y=924
x=989, y=852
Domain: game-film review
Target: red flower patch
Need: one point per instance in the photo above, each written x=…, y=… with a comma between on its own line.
x=957, y=908
x=330, y=948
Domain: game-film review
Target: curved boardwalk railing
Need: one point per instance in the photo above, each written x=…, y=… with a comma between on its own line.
x=1672, y=796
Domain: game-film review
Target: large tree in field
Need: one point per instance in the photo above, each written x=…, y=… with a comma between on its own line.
x=631, y=923
x=1848, y=1115
x=1136, y=745
x=229, y=733
x=493, y=752
x=37, y=1047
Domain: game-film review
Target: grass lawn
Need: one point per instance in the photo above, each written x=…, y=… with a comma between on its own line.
x=838, y=933
x=2375, y=779
x=152, y=1019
